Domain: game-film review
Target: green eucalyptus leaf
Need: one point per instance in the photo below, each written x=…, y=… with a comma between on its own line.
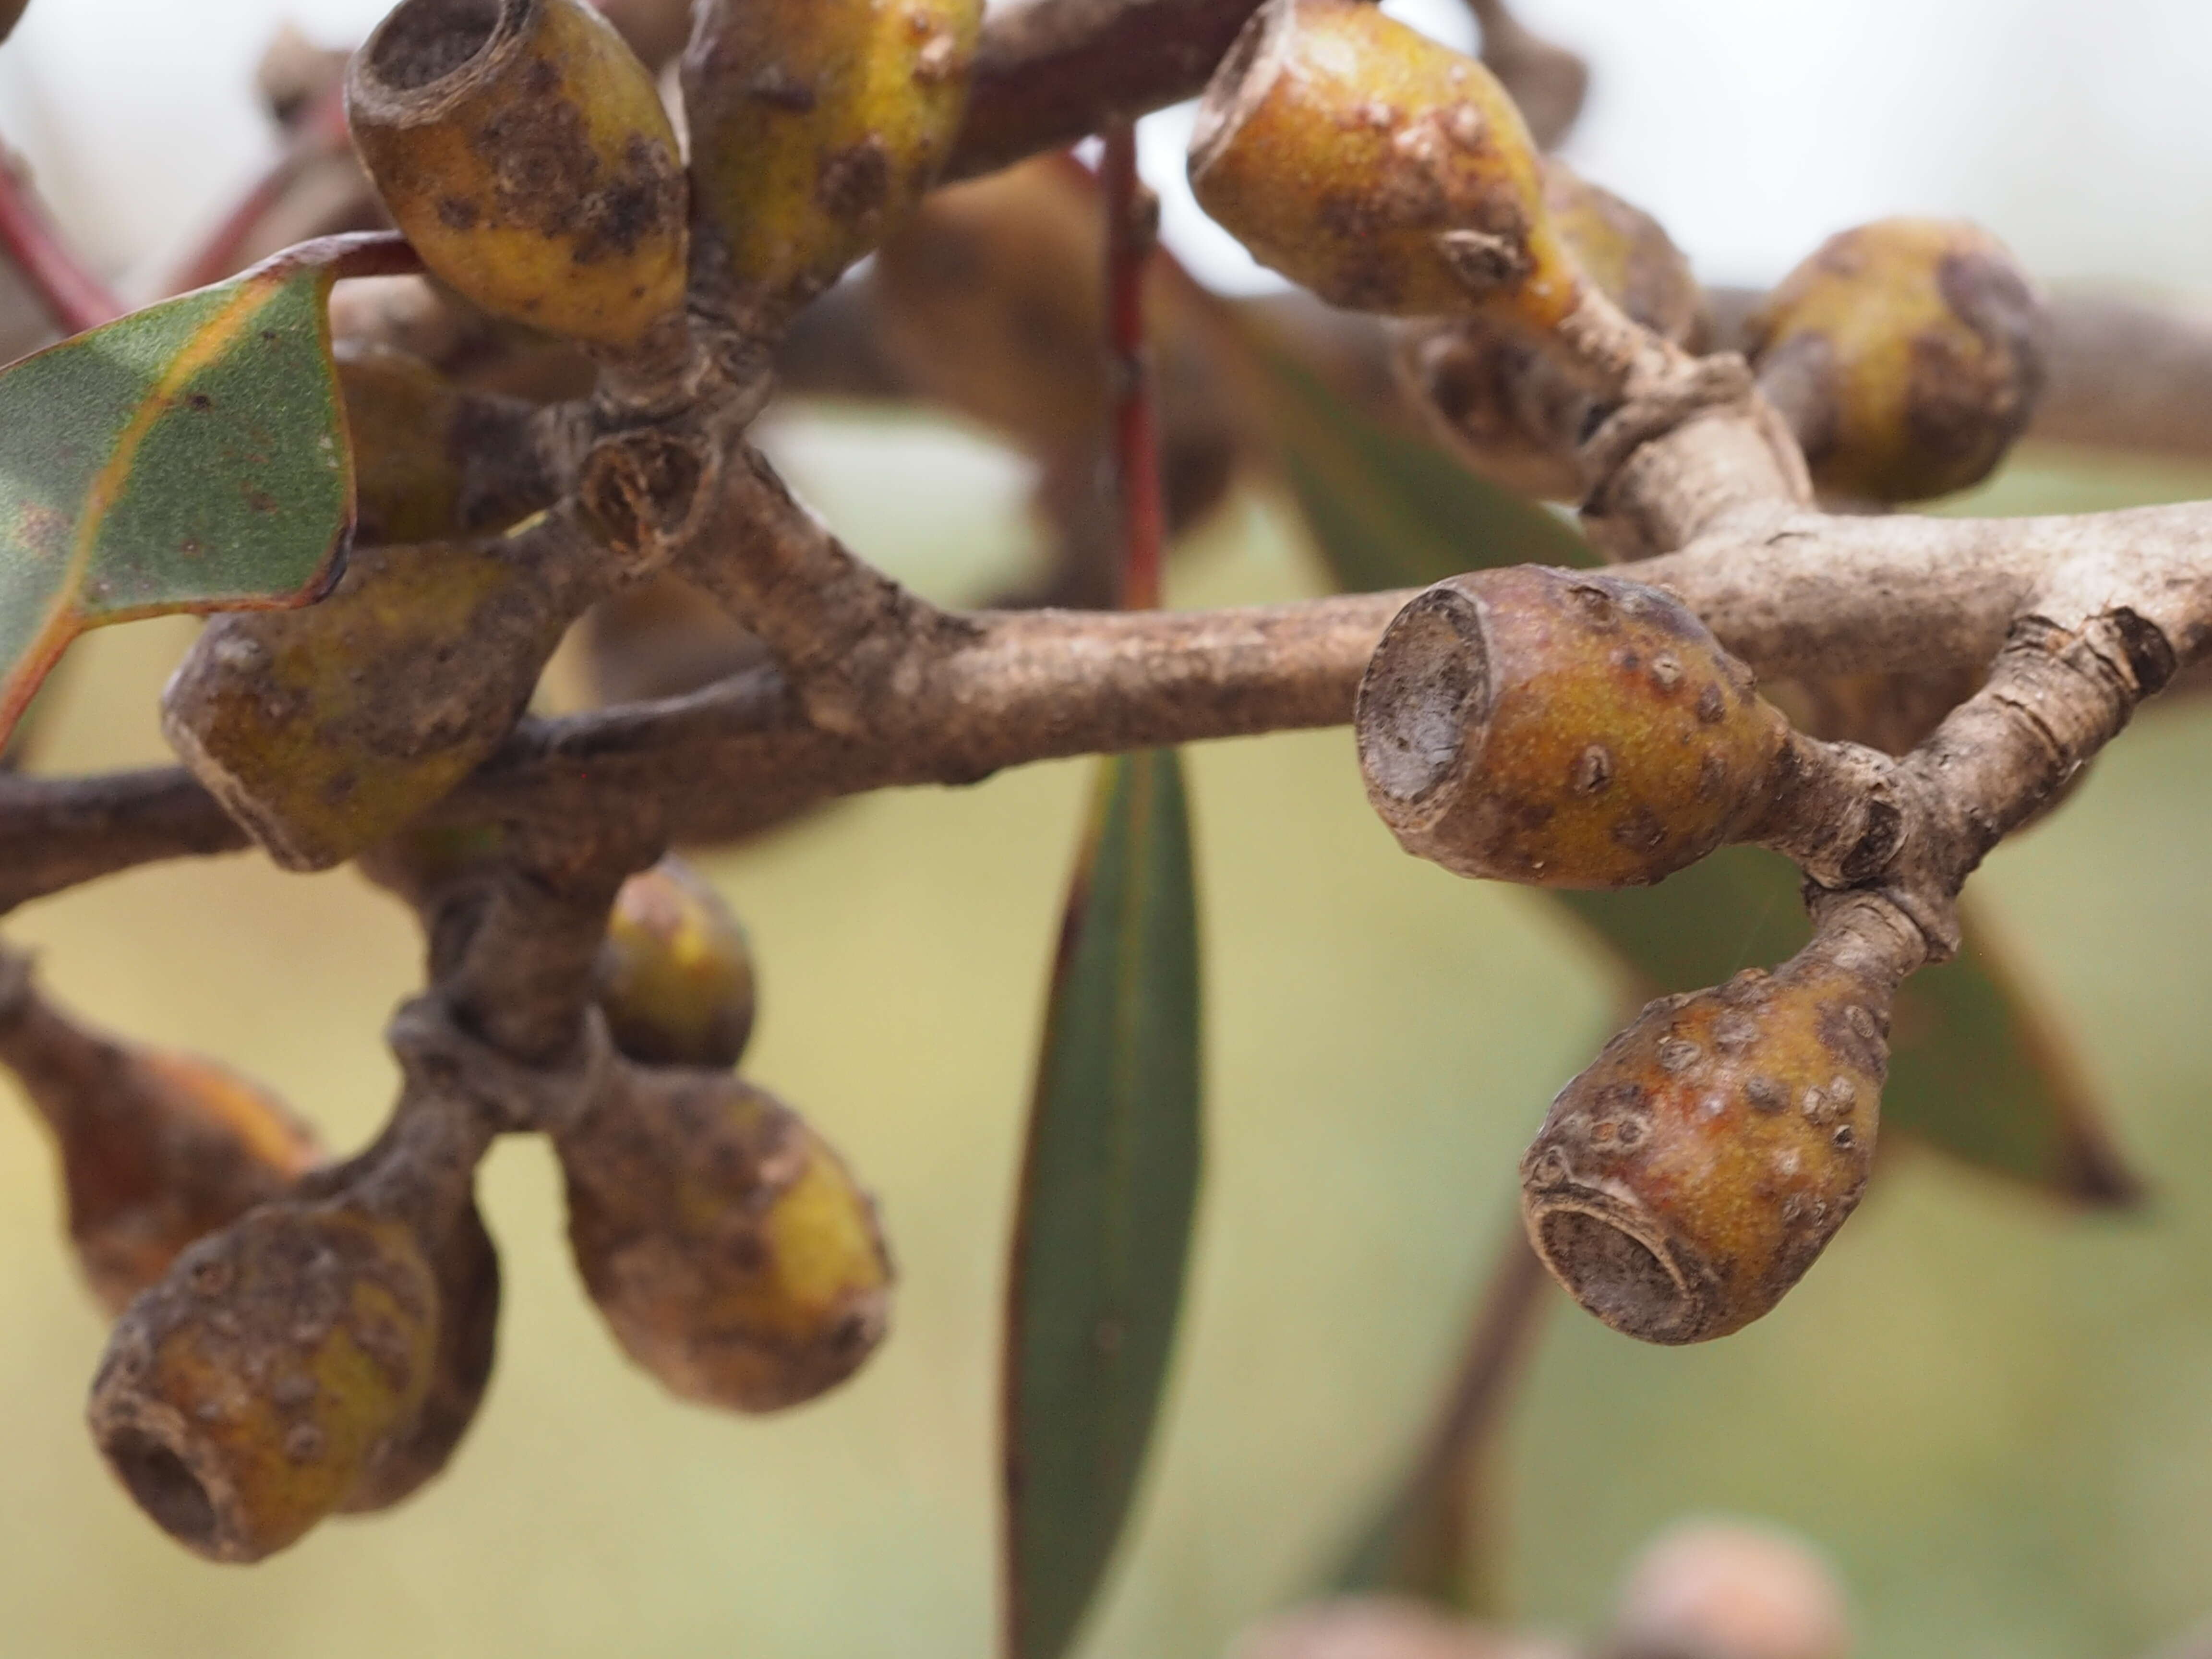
x=1977, y=1067
x=1109, y=1186
x=190, y=457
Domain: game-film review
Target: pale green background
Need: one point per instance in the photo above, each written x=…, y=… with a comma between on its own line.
x=1996, y=1416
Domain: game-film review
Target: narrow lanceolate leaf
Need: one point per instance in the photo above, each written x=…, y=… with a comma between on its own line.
x=1978, y=1067
x=1388, y=508
x=189, y=457
x=1110, y=1184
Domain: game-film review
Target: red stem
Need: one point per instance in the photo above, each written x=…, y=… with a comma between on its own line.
x=76, y=298
x=321, y=131
x=1132, y=228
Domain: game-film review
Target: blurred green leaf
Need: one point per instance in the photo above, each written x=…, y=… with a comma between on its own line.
x=1977, y=1065
x=1387, y=509
x=1110, y=1185
x=1430, y=1537
x=192, y=457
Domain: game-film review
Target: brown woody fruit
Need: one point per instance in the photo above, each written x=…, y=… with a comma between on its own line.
x=465, y=1263
x=523, y=150
x=11, y=12
x=1383, y=171
x=1690, y=1176
x=1906, y=355
x=1717, y=1589
x=242, y=1399
x=323, y=731
x=1562, y=728
x=158, y=1148
x=676, y=974
x=816, y=125
x=1490, y=392
x=413, y=432
x=726, y=1242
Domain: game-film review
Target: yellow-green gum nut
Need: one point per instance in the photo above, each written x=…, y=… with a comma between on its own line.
x=726, y=1243
x=1907, y=356
x=1688, y=1178
x=1626, y=253
x=676, y=976
x=1563, y=729
x=523, y=150
x=412, y=431
x=1383, y=171
x=325, y=729
x=466, y=1265
x=816, y=125
x=240, y=1398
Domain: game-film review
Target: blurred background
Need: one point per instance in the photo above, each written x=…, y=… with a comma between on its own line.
x=1993, y=1414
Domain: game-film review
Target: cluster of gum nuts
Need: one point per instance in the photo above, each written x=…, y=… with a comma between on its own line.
x=295, y=1337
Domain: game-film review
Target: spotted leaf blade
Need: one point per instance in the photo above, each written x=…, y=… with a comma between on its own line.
x=1109, y=1187
x=190, y=457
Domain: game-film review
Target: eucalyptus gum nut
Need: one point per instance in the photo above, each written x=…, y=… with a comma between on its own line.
x=240, y=1398
x=815, y=126
x=727, y=1245
x=1563, y=729
x=411, y=437
x=1384, y=171
x=524, y=151
x=1720, y=1590
x=325, y=729
x=158, y=1148
x=676, y=974
x=1487, y=388
x=466, y=1265
x=1687, y=1179
x=1907, y=356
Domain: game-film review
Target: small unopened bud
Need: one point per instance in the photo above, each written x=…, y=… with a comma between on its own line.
x=816, y=126
x=1906, y=355
x=726, y=1243
x=676, y=974
x=1380, y=169
x=1687, y=1179
x=158, y=1147
x=242, y=1399
x=523, y=150
x=1562, y=728
x=1715, y=1589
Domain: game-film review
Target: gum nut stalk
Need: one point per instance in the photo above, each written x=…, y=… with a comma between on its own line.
x=524, y=151
x=466, y=1266
x=1563, y=729
x=1906, y=355
x=241, y=1398
x=1722, y=1590
x=816, y=125
x=323, y=731
x=726, y=1243
x=1488, y=390
x=676, y=974
x=1383, y=171
x=158, y=1147
x=1687, y=1179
